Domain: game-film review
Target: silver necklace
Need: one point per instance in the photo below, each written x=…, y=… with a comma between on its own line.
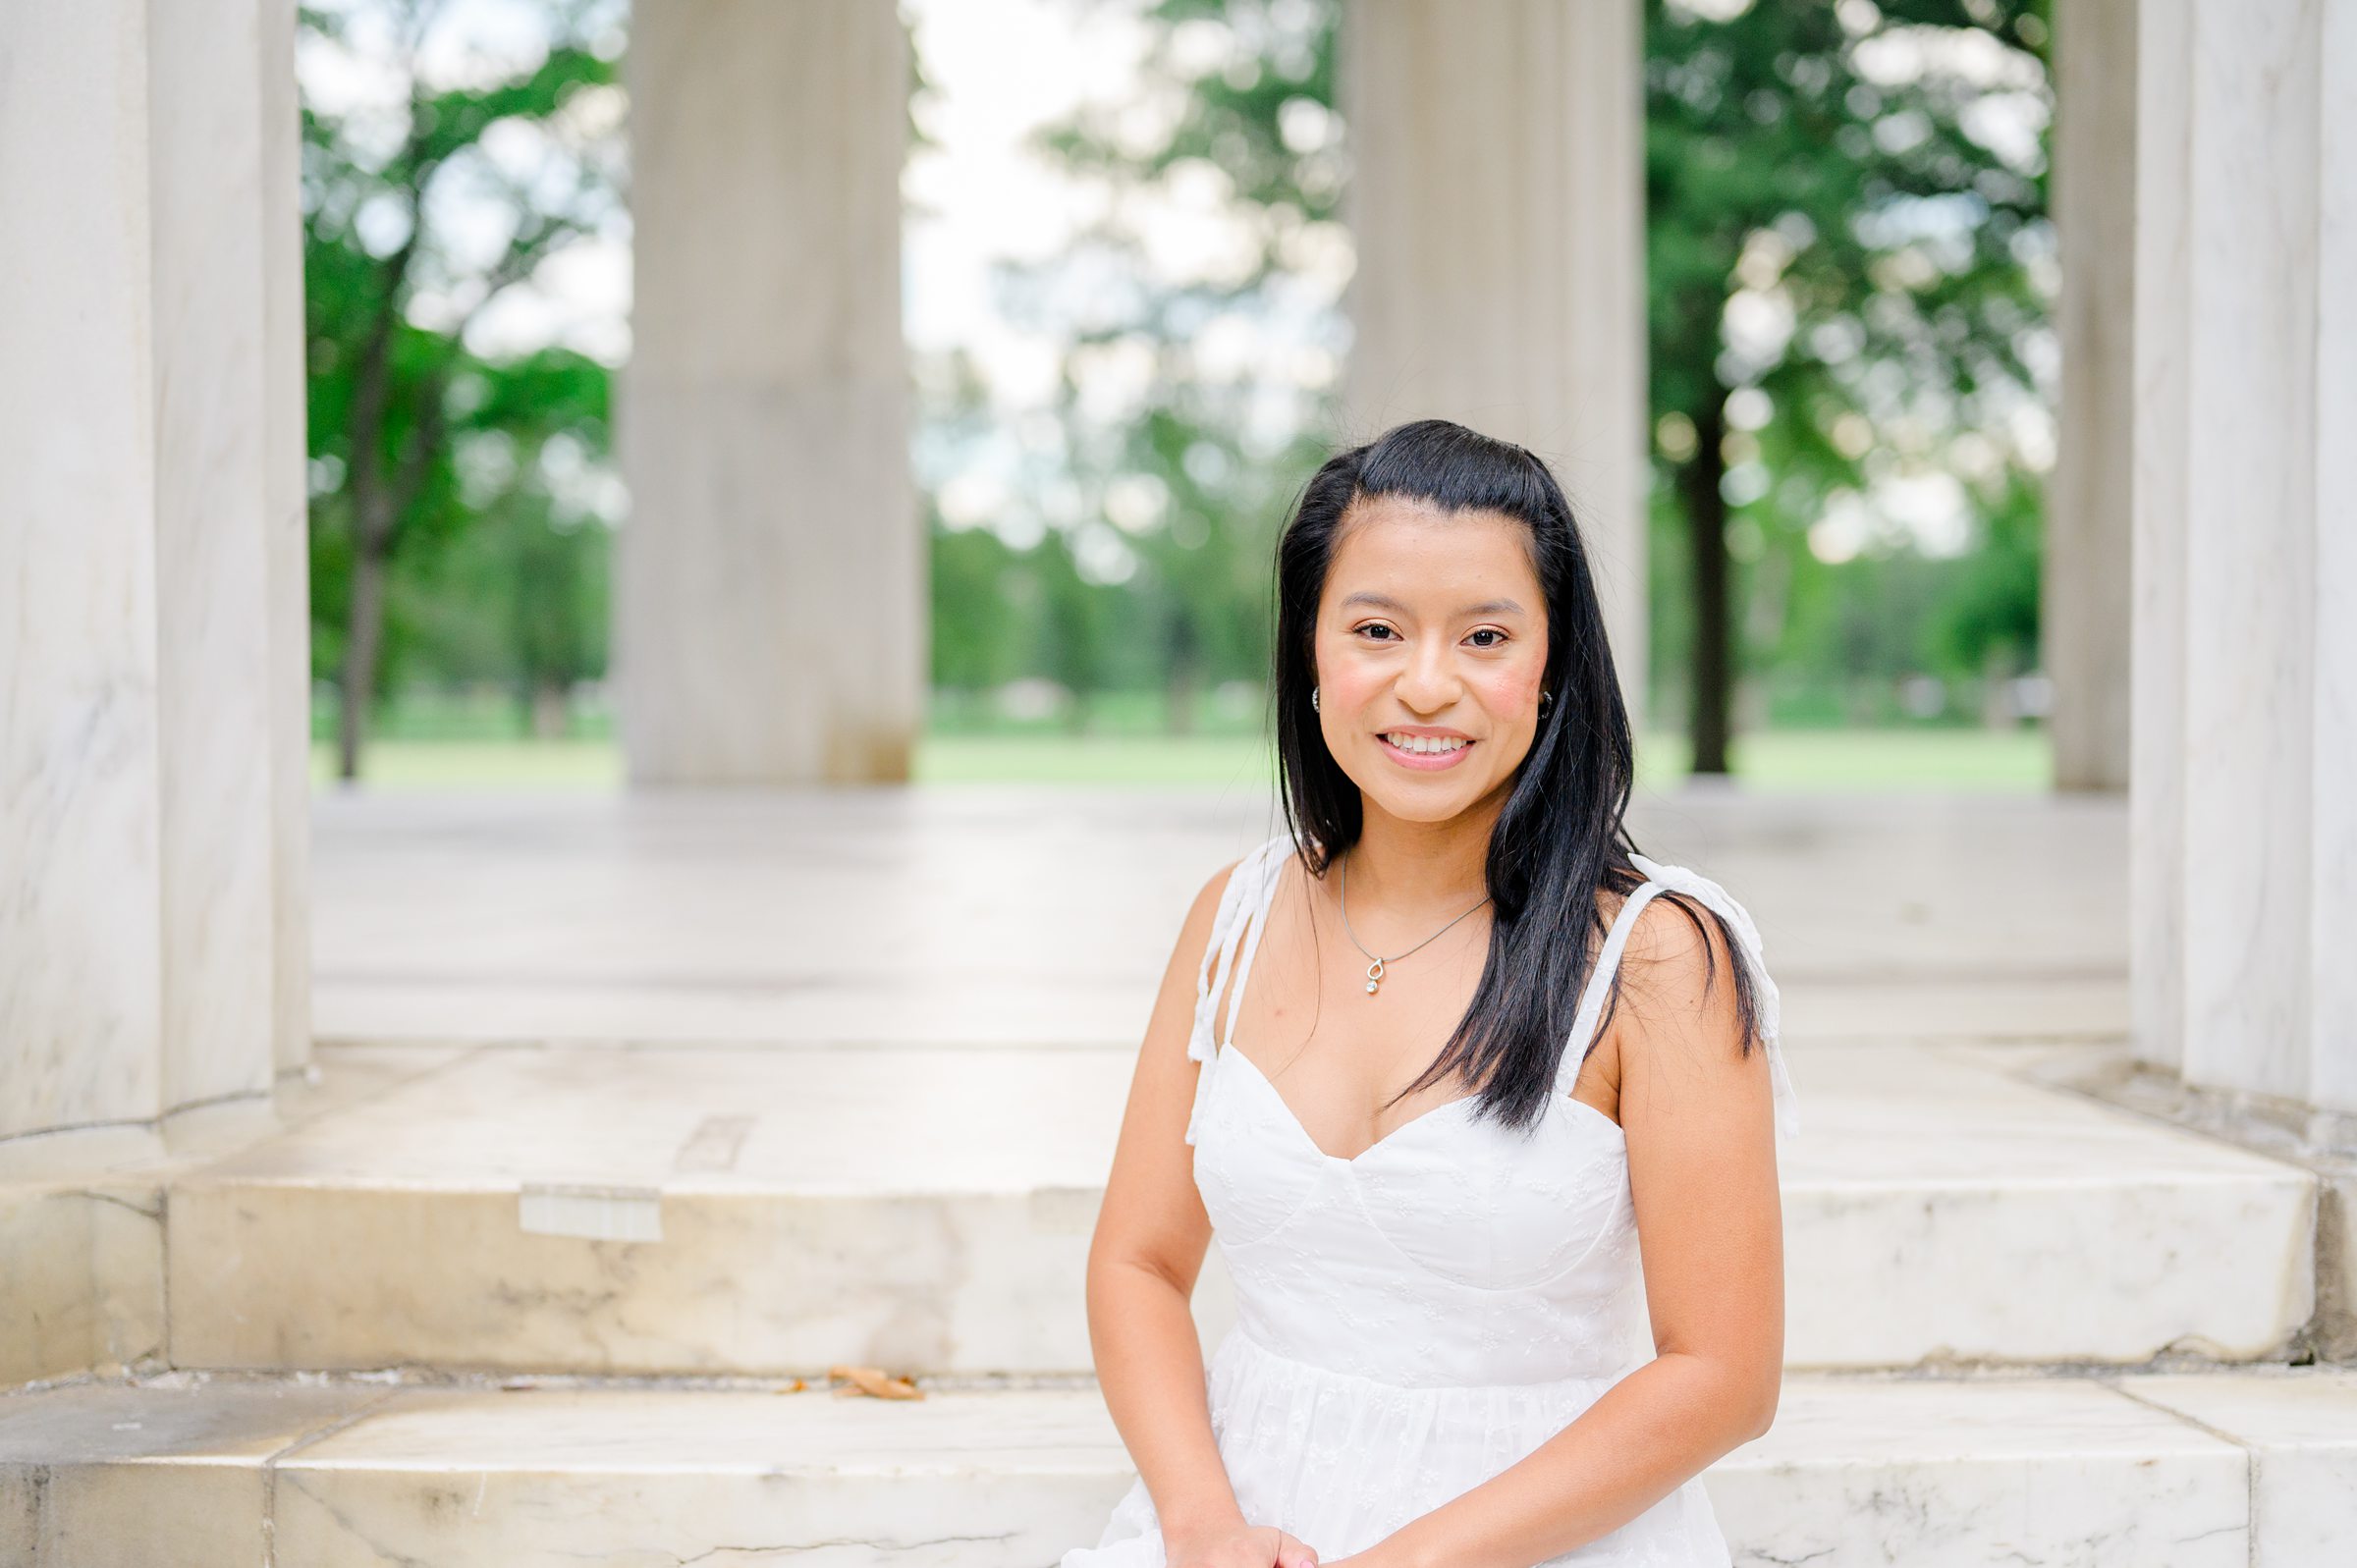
x=1375, y=969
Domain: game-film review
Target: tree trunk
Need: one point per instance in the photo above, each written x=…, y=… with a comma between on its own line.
x=379, y=503
x=1713, y=665
x=371, y=522
x=1996, y=687
x=364, y=633
x=1185, y=679
x=552, y=710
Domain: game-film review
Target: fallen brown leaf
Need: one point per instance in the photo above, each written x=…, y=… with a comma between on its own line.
x=874, y=1381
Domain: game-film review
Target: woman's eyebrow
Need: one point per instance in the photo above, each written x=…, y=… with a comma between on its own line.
x=1488, y=607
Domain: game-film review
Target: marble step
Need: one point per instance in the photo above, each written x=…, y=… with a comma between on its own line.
x=2254, y=1468
x=738, y=1209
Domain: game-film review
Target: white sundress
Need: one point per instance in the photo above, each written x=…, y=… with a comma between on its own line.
x=1412, y=1320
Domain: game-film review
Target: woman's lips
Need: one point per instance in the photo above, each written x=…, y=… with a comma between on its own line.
x=1425, y=761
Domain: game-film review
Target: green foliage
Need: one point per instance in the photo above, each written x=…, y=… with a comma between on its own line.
x=1990, y=614
x=1792, y=168
x=459, y=498
x=1793, y=178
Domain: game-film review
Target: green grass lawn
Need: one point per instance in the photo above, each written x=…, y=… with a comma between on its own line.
x=1776, y=760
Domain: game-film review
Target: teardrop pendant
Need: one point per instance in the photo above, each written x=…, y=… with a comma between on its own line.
x=1374, y=976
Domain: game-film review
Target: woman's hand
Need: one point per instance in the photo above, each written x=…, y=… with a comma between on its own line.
x=1238, y=1546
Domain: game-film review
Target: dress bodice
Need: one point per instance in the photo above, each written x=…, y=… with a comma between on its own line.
x=1454, y=1252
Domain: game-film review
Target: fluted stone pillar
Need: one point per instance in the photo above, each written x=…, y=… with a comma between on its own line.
x=770, y=604
x=1496, y=201
x=2244, y=821
x=2085, y=605
x=153, y=634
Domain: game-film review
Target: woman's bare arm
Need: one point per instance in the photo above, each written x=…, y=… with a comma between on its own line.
x=1700, y=1129
x=1143, y=1259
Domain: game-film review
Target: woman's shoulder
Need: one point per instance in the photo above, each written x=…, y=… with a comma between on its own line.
x=1686, y=928
x=1690, y=939
x=1683, y=901
x=1675, y=940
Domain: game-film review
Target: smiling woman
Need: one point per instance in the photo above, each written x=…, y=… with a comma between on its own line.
x=1503, y=1227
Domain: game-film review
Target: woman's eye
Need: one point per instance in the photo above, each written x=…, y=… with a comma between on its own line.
x=1490, y=631
x=1375, y=626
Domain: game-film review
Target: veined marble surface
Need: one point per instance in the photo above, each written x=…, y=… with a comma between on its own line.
x=2245, y=841
x=709, y=1208
x=81, y=1215
x=142, y=944
x=2061, y=1472
x=2300, y=1430
x=108, y=1475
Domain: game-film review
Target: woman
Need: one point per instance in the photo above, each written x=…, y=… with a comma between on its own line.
x=1498, y=1302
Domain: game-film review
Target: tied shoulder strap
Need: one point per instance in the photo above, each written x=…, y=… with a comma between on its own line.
x=1660, y=879
x=1242, y=903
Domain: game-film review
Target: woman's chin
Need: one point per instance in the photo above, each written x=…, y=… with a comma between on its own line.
x=1433, y=802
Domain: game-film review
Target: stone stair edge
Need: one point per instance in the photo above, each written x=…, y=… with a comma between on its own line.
x=345, y=1404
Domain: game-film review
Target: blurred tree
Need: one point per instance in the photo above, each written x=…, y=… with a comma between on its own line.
x=1839, y=245
x=971, y=566
x=973, y=648
x=1987, y=624
x=519, y=595
x=425, y=201
x=1073, y=631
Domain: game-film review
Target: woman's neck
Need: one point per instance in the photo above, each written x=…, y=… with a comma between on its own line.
x=1432, y=868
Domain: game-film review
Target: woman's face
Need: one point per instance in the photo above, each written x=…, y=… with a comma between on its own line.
x=1430, y=648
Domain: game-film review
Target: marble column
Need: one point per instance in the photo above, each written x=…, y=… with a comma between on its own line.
x=153, y=641
x=771, y=608
x=287, y=532
x=2086, y=596
x=2244, y=821
x=1496, y=201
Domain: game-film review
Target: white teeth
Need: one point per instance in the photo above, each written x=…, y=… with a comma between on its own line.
x=1425, y=743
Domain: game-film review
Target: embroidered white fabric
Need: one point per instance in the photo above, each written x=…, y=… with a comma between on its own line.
x=1414, y=1320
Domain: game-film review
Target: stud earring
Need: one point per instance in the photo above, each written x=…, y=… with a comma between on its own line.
x=1313, y=699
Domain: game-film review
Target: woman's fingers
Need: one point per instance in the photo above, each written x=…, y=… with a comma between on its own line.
x=1291, y=1554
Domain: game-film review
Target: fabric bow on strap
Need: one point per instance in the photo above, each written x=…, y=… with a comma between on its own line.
x=1678, y=878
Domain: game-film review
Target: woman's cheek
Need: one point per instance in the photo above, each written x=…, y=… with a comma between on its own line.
x=1354, y=683
x=1512, y=691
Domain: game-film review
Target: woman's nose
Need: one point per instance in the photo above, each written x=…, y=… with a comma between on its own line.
x=1429, y=683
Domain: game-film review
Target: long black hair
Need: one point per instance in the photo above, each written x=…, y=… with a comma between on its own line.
x=1561, y=839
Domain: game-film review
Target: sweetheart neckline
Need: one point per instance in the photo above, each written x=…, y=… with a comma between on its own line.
x=1302, y=1132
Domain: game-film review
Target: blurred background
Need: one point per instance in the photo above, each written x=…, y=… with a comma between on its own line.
x=1125, y=250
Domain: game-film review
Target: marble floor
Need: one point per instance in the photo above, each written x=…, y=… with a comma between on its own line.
x=695, y=1019
x=2199, y=1471
x=1014, y=915
x=627, y=1110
